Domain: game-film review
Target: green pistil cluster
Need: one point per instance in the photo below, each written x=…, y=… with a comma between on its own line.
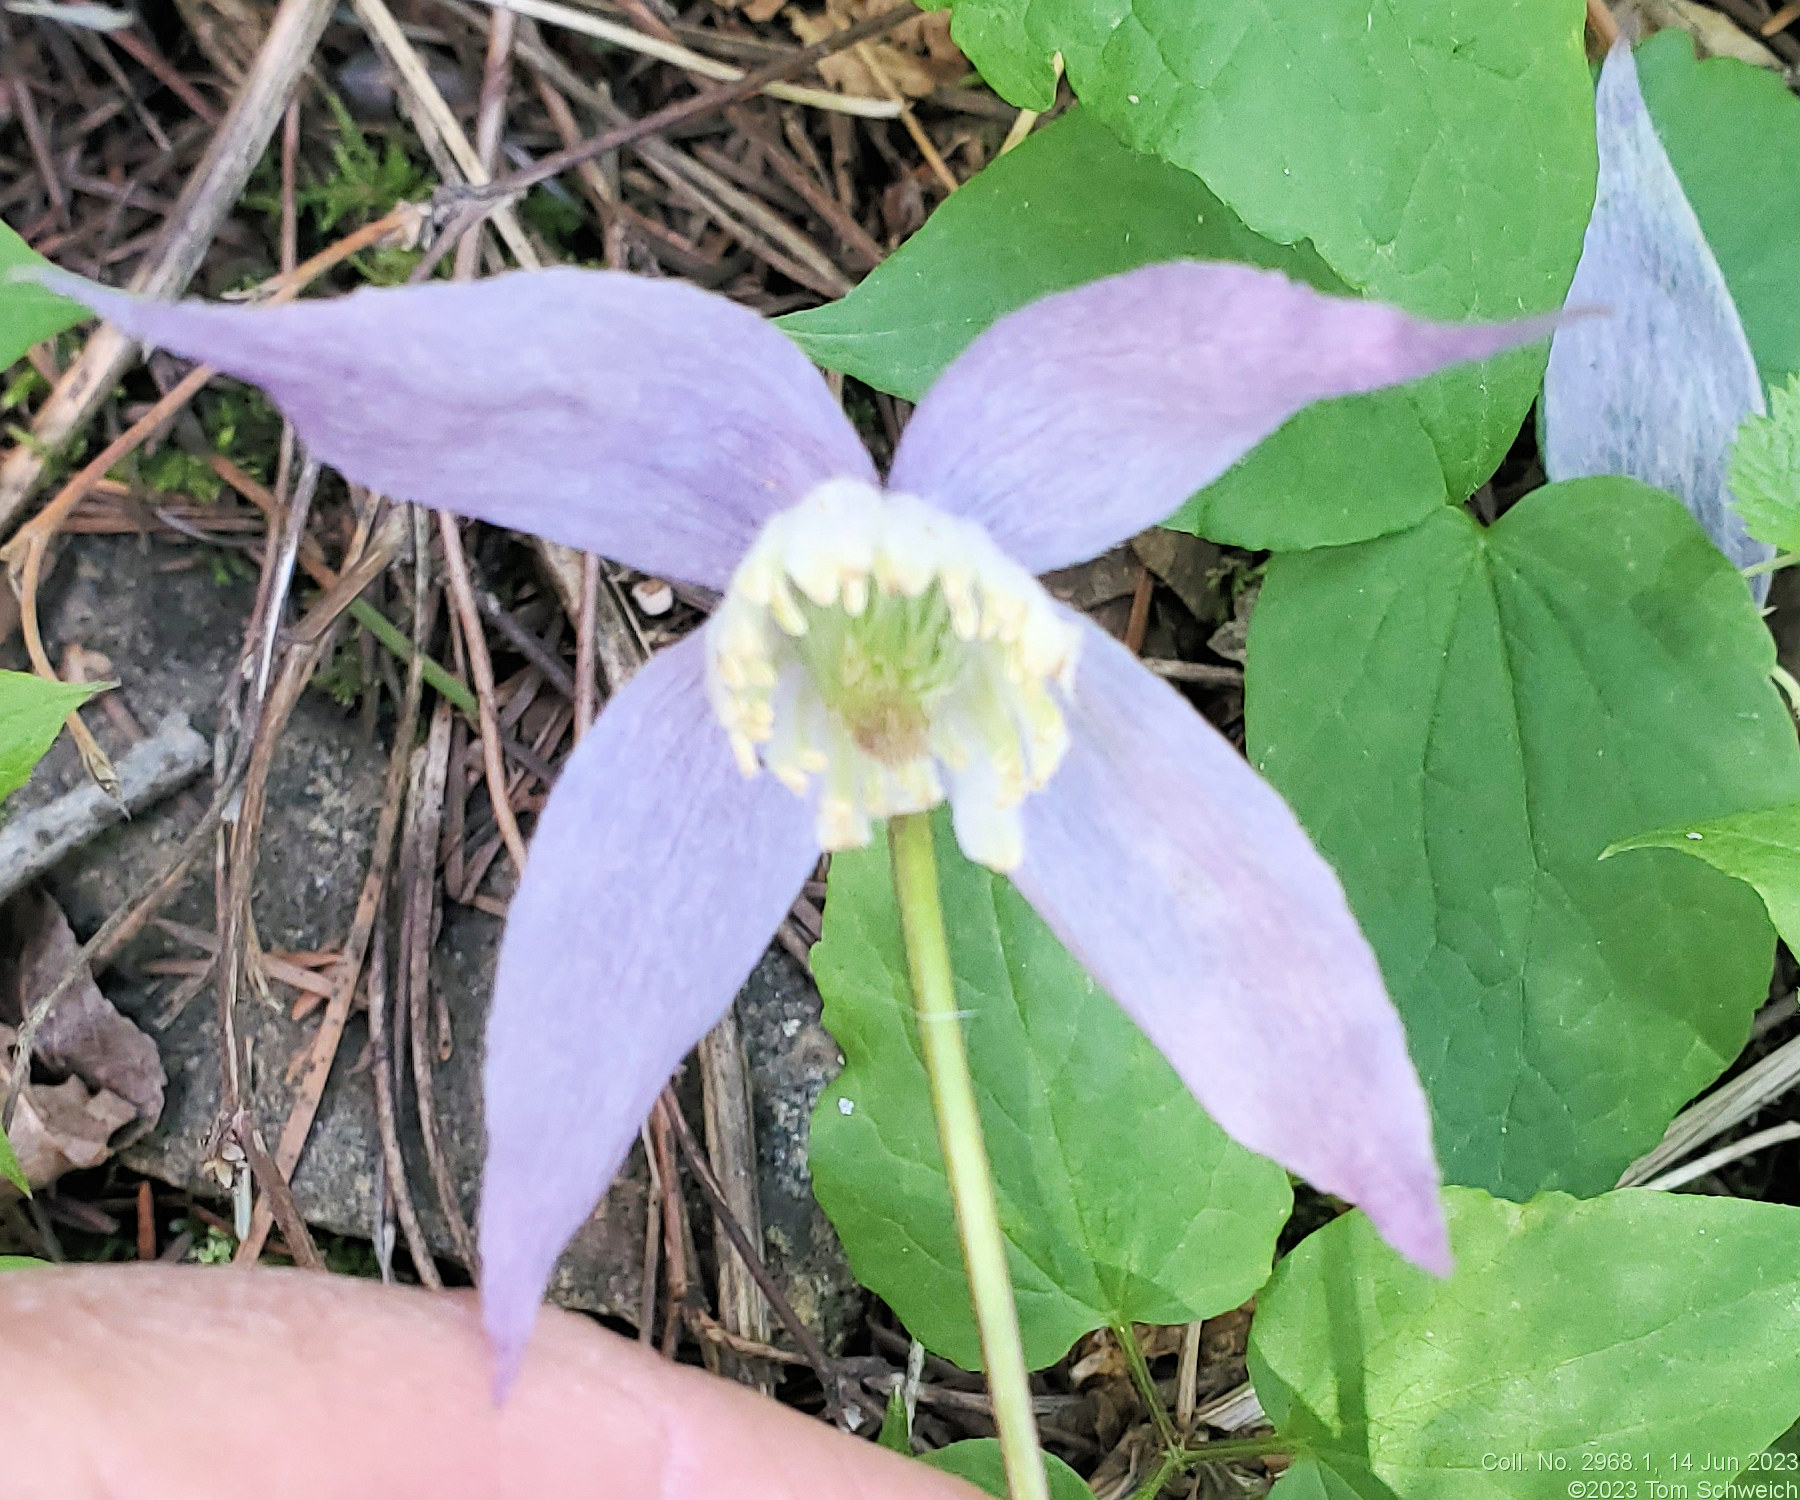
x=883, y=671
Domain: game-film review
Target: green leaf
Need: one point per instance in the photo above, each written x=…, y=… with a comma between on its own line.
x=1748, y=202
x=1761, y=848
x=10, y=1168
x=1439, y=156
x=20, y=1262
x=31, y=711
x=1464, y=719
x=1638, y=1325
x=1120, y=1200
x=28, y=313
x=1764, y=474
x=1070, y=205
x=894, y=1434
x=978, y=1461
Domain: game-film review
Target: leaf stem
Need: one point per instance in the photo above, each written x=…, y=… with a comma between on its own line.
x=1167, y=1468
x=1780, y=560
x=1146, y=1384
x=965, y=1154
x=1228, y=1449
x=391, y=636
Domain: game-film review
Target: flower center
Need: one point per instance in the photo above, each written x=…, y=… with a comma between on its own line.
x=887, y=648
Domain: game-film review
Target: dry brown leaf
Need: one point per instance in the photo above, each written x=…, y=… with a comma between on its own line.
x=1193, y=568
x=758, y=11
x=1717, y=35
x=61, y=1127
x=1128, y=1465
x=1232, y=639
x=1087, y=586
x=85, y=1036
x=917, y=58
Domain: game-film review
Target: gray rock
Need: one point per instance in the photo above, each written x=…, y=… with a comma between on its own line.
x=172, y=636
x=792, y=1058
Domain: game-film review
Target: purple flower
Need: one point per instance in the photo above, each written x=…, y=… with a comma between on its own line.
x=874, y=650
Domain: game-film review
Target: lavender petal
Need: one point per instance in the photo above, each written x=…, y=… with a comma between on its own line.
x=1087, y=416
x=1183, y=883
x=1656, y=391
x=645, y=420
x=656, y=877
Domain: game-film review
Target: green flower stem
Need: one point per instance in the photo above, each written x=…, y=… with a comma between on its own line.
x=965, y=1153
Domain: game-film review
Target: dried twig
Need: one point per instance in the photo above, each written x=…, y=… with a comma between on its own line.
x=684, y=111
x=275, y=1189
x=481, y=668
x=587, y=685
x=927, y=147
x=589, y=24
x=418, y=892
x=210, y=194
x=731, y=1147
x=310, y=1090
x=751, y=1257
x=34, y=842
x=382, y=1065
x=1202, y=672
x=436, y=122
x=842, y=223
x=663, y=1115
x=1787, y=1130
x=1601, y=23
x=1751, y=17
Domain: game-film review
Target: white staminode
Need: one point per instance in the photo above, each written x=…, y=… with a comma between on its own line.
x=887, y=647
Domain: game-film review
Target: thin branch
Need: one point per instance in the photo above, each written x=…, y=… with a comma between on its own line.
x=481, y=668
x=673, y=53
x=715, y=1197
x=696, y=107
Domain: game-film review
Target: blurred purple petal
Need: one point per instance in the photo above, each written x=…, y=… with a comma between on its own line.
x=656, y=878
x=1083, y=418
x=645, y=420
x=1187, y=889
x=1657, y=390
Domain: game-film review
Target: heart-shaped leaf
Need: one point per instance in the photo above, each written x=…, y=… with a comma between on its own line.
x=1070, y=205
x=1632, y=1341
x=1439, y=156
x=1748, y=202
x=1464, y=720
x=1120, y=1199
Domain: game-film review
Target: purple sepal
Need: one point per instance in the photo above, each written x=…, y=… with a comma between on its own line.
x=1186, y=887
x=645, y=420
x=1656, y=391
x=1085, y=417
x=656, y=877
